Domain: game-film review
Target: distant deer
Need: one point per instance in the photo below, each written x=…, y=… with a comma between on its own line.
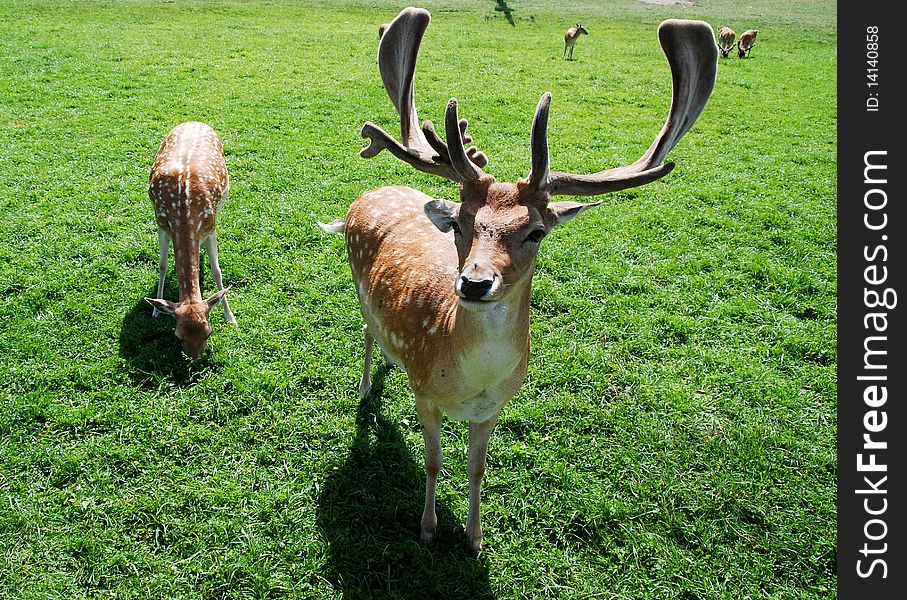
x=381, y=29
x=444, y=287
x=570, y=39
x=746, y=42
x=188, y=184
x=726, y=37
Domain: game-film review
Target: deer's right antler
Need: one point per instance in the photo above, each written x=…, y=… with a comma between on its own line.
x=421, y=148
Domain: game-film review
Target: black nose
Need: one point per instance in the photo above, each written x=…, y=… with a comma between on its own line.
x=474, y=290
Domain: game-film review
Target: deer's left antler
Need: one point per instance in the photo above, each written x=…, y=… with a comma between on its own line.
x=693, y=56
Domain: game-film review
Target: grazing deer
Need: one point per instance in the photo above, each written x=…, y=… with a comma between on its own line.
x=188, y=184
x=381, y=29
x=746, y=42
x=726, y=37
x=444, y=287
x=570, y=39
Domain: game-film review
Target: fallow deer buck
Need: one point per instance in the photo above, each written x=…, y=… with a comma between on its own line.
x=570, y=39
x=444, y=287
x=188, y=184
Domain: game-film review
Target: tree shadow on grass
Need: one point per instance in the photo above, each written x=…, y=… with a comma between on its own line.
x=151, y=350
x=370, y=510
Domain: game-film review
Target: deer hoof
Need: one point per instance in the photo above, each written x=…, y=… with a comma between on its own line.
x=475, y=545
x=427, y=537
x=475, y=542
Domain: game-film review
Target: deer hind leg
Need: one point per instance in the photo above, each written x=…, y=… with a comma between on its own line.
x=430, y=419
x=163, y=240
x=218, y=278
x=479, y=434
x=365, y=384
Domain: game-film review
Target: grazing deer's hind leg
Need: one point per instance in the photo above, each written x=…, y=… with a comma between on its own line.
x=430, y=418
x=365, y=384
x=215, y=272
x=479, y=434
x=164, y=241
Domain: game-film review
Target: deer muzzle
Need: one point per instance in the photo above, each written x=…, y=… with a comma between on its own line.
x=478, y=283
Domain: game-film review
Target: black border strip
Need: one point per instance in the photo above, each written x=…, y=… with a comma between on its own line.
x=871, y=260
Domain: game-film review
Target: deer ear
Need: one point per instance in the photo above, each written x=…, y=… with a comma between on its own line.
x=216, y=298
x=443, y=213
x=561, y=212
x=162, y=305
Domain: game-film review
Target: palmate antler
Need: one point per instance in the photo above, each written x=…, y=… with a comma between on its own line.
x=422, y=148
x=693, y=57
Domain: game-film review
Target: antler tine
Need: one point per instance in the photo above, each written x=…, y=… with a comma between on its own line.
x=428, y=128
x=474, y=154
x=538, y=178
x=455, y=129
x=420, y=159
x=693, y=56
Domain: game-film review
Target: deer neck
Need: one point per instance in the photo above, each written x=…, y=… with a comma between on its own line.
x=185, y=258
x=490, y=344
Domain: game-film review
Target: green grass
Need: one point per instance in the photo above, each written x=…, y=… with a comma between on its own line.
x=675, y=437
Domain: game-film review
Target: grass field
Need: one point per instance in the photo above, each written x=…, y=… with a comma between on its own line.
x=675, y=437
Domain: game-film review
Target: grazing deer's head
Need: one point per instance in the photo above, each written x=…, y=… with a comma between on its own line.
x=192, y=327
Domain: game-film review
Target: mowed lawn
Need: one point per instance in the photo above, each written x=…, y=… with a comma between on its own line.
x=675, y=436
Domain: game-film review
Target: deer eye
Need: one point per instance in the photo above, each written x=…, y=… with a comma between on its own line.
x=535, y=236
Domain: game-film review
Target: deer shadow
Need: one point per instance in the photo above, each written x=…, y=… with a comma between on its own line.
x=501, y=7
x=370, y=510
x=150, y=349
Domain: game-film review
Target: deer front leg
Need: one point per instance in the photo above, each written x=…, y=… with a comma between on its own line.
x=218, y=278
x=430, y=418
x=479, y=434
x=163, y=240
x=365, y=384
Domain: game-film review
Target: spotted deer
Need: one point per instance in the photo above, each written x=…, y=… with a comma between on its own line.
x=570, y=39
x=188, y=184
x=746, y=42
x=726, y=37
x=444, y=287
